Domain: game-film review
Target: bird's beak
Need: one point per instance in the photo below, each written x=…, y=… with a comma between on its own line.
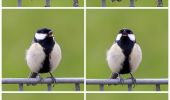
x=124, y=34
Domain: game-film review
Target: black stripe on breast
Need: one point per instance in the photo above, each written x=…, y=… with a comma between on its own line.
x=48, y=45
x=126, y=45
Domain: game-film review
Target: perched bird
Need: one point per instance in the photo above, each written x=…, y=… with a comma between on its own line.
x=44, y=54
x=125, y=55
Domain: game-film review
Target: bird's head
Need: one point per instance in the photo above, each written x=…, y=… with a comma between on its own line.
x=43, y=33
x=125, y=33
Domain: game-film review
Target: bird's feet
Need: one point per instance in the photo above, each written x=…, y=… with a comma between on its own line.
x=133, y=80
x=121, y=80
x=53, y=79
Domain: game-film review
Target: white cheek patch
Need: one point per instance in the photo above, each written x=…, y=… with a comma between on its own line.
x=131, y=37
x=40, y=36
x=118, y=37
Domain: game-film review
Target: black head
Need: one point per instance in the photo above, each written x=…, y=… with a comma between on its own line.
x=43, y=33
x=125, y=33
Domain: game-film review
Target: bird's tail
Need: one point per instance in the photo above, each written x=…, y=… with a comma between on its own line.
x=114, y=75
x=33, y=75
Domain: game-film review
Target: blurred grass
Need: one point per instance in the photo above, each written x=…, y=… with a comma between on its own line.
x=18, y=29
x=40, y=3
x=129, y=96
x=41, y=96
x=126, y=3
x=151, y=30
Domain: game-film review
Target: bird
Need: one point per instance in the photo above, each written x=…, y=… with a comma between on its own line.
x=125, y=55
x=44, y=54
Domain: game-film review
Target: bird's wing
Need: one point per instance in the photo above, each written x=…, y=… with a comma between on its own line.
x=55, y=57
x=135, y=57
x=34, y=57
x=115, y=58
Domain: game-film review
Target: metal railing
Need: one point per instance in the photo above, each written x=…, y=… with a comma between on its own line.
x=48, y=81
x=48, y=3
x=78, y=81
x=128, y=82
x=132, y=3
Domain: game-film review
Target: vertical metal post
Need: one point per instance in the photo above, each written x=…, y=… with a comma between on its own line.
x=132, y=3
x=103, y=3
x=158, y=87
x=20, y=87
x=101, y=87
x=49, y=87
x=75, y=3
x=129, y=87
x=160, y=3
x=77, y=86
x=19, y=3
x=47, y=3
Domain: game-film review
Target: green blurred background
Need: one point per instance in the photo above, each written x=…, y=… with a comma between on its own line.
x=126, y=3
x=128, y=96
x=18, y=29
x=42, y=96
x=151, y=30
x=40, y=3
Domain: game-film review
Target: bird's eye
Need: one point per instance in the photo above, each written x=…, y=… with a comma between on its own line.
x=121, y=31
x=129, y=31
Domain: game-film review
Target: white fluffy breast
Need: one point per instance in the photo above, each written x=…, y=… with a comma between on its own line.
x=115, y=58
x=34, y=57
x=40, y=36
x=55, y=57
x=135, y=57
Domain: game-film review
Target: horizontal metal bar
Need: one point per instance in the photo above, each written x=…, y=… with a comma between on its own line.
x=41, y=81
x=81, y=81
x=126, y=81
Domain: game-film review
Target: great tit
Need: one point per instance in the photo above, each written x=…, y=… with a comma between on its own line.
x=44, y=54
x=125, y=55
